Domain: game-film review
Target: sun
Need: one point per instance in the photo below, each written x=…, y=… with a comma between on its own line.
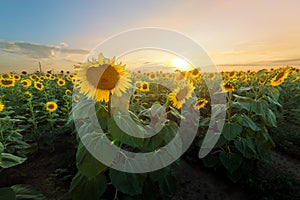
x=180, y=64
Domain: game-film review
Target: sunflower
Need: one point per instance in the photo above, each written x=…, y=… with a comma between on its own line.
x=24, y=73
x=68, y=92
x=194, y=73
x=61, y=82
x=33, y=77
x=145, y=87
x=38, y=85
x=27, y=95
x=231, y=74
x=17, y=77
x=51, y=106
x=52, y=78
x=278, y=79
x=211, y=76
x=179, y=76
x=180, y=94
x=7, y=82
x=76, y=98
x=42, y=78
x=1, y=106
x=26, y=82
x=200, y=104
x=101, y=78
x=138, y=84
x=227, y=87
x=6, y=76
x=48, y=75
x=152, y=76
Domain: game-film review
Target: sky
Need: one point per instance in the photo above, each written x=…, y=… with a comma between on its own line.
x=234, y=33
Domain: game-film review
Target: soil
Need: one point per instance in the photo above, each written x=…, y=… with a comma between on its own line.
x=195, y=182
x=40, y=172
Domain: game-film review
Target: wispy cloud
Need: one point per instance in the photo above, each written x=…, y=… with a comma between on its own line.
x=15, y=56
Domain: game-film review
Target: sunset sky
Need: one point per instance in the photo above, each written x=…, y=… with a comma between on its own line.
x=233, y=33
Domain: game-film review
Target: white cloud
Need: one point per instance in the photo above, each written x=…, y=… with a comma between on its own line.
x=15, y=56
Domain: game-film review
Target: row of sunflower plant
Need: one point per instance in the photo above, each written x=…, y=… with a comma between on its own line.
x=251, y=108
x=34, y=109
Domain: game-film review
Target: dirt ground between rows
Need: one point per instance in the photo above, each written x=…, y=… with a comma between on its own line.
x=194, y=182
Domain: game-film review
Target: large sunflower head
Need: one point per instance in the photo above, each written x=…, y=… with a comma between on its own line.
x=227, y=87
x=101, y=78
x=152, y=76
x=38, y=85
x=51, y=106
x=195, y=73
x=9, y=82
x=17, y=77
x=27, y=95
x=24, y=73
x=278, y=79
x=68, y=92
x=6, y=76
x=26, y=83
x=180, y=94
x=61, y=82
x=200, y=104
x=33, y=77
x=138, y=84
x=145, y=87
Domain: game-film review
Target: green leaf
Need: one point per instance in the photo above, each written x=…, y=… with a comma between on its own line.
x=231, y=130
x=1, y=147
x=127, y=183
x=83, y=109
x=210, y=160
x=273, y=92
x=246, y=147
x=149, y=191
x=270, y=118
x=169, y=131
x=258, y=107
x=26, y=192
x=231, y=161
x=85, y=188
x=103, y=117
x=158, y=175
x=242, y=97
x=7, y=193
x=87, y=164
x=119, y=135
x=263, y=151
x=240, y=105
x=168, y=186
x=247, y=122
x=8, y=160
x=235, y=176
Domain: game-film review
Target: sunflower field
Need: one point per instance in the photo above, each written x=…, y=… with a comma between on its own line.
x=41, y=113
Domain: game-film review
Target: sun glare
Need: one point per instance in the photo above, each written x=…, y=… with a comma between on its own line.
x=180, y=64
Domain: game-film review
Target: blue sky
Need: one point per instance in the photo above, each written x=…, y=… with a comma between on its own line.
x=233, y=32
x=71, y=21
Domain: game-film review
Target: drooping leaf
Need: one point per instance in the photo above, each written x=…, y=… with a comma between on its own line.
x=231, y=130
x=246, y=147
x=231, y=161
x=85, y=188
x=9, y=160
x=127, y=183
x=26, y=192
x=87, y=164
x=247, y=122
